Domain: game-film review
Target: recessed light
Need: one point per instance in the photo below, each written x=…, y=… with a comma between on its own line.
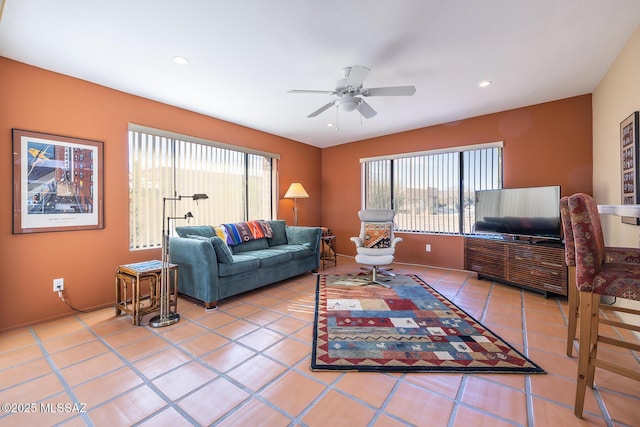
x=484, y=83
x=330, y=125
x=180, y=60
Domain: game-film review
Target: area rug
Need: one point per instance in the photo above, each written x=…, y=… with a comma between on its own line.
x=406, y=327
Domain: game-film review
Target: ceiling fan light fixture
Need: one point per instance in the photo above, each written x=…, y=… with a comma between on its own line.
x=348, y=103
x=484, y=83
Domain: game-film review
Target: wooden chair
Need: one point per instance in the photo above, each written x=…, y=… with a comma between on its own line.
x=613, y=255
x=594, y=278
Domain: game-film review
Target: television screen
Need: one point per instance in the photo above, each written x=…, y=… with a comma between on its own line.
x=533, y=212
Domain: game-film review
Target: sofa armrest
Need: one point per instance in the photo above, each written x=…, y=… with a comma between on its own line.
x=197, y=267
x=308, y=236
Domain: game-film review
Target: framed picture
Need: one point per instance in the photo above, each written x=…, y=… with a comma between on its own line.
x=57, y=183
x=629, y=157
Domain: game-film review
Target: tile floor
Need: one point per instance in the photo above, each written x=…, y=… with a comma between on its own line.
x=247, y=364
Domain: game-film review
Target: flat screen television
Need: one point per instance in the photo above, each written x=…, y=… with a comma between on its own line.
x=532, y=212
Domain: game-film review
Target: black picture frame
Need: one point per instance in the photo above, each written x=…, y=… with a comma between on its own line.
x=629, y=164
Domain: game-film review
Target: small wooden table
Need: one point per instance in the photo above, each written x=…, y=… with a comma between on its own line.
x=328, y=250
x=128, y=296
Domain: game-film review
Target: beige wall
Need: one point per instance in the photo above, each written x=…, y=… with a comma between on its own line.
x=615, y=98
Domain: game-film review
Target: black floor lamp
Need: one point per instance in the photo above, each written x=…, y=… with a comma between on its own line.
x=166, y=317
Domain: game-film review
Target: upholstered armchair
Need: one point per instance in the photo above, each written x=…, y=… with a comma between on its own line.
x=596, y=277
x=376, y=244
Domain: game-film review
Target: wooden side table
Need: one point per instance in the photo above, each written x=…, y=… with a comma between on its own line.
x=128, y=296
x=328, y=250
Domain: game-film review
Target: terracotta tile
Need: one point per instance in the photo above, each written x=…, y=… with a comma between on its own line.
x=287, y=325
x=24, y=372
x=62, y=342
x=167, y=418
x=76, y=354
x=216, y=319
x=261, y=339
x=548, y=413
x=561, y=390
x=465, y=416
x=57, y=328
x=182, y=331
x=107, y=386
x=13, y=340
x=370, y=387
x=127, y=409
x=128, y=336
x=445, y=384
x=292, y=392
x=288, y=351
x=203, y=343
x=184, y=379
x=558, y=364
x=243, y=310
x=236, y=329
x=159, y=363
x=496, y=399
x=225, y=395
x=254, y=413
x=386, y=421
x=256, y=372
x=622, y=409
x=143, y=348
x=263, y=317
x=91, y=368
x=335, y=409
x=21, y=354
x=33, y=390
x=415, y=405
x=228, y=357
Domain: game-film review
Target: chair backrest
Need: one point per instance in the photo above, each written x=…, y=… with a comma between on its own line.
x=569, y=246
x=588, y=239
x=376, y=227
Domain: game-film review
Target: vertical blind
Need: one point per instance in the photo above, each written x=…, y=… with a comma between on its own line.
x=240, y=183
x=432, y=191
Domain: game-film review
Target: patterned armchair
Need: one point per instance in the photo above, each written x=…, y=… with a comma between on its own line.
x=376, y=244
x=596, y=277
x=612, y=255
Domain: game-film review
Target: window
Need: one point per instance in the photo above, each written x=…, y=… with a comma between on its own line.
x=432, y=191
x=240, y=182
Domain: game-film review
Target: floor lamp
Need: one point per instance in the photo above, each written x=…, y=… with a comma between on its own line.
x=166, y=317
x=296, y=191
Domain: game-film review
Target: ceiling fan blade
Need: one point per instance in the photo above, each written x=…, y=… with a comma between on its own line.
x=366, y=110
x=323, y=92
x=390, y=91
x=321, y=109
x=356, y=76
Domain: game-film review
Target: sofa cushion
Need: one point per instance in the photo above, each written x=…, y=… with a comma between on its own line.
x=195, y=230
x=269, y=257
x=278, y=228
x=296, y=251
x=240, y=264
x=239, y=232
x=251, y=245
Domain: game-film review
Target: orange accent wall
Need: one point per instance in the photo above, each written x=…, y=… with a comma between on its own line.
x=42, y=101
x=545, y=144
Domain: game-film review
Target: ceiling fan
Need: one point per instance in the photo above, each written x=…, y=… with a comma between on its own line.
x=349, y=90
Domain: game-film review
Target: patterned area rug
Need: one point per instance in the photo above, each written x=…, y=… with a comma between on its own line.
x=408, y=327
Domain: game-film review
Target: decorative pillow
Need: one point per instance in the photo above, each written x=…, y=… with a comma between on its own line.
x=377, y=235
x=223, y=252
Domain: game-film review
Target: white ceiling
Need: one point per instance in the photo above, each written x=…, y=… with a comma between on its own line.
x=246, y=54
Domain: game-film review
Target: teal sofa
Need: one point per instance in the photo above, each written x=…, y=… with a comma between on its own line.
x=209, y=270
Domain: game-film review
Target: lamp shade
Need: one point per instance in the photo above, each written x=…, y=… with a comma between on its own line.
x=296, y=191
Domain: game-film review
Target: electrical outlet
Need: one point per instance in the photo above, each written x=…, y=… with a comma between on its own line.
x=58, y=285
x=428, y=247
